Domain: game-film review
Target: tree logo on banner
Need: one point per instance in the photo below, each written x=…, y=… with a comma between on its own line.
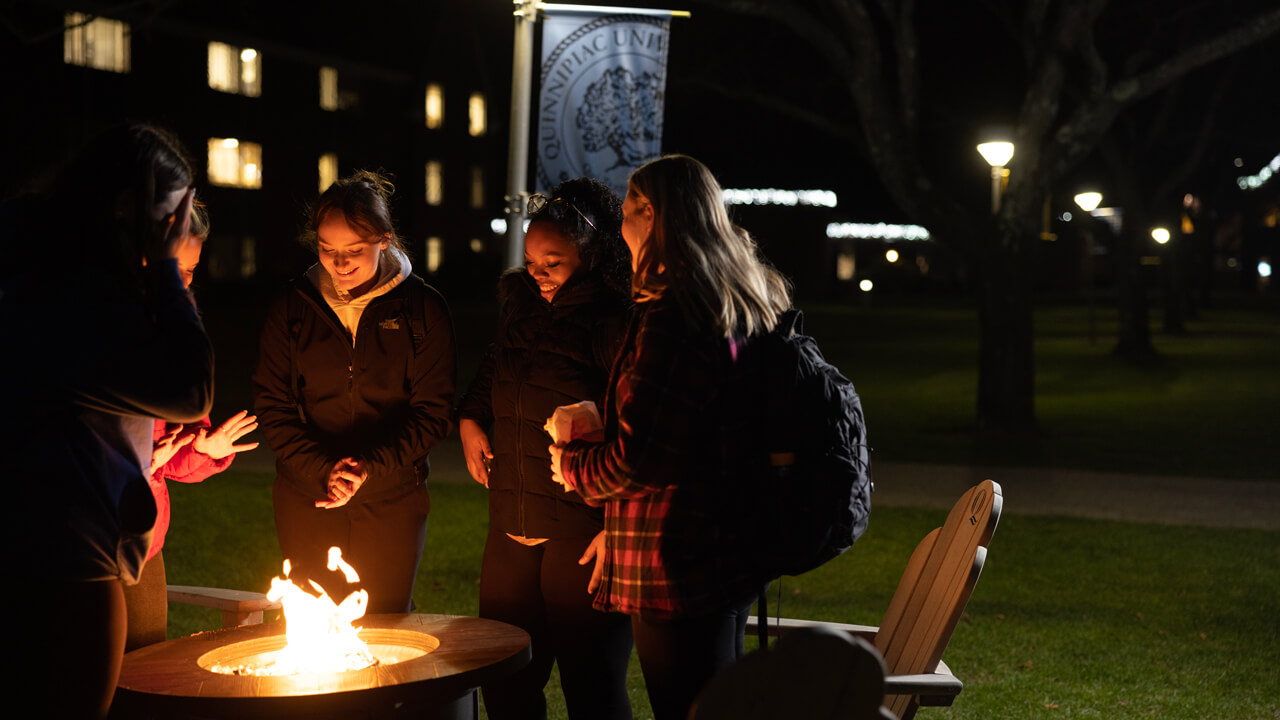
x=619, y=112
x=600, y=112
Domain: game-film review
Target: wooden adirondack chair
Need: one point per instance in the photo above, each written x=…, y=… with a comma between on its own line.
x=927, y=605
x=815, y=673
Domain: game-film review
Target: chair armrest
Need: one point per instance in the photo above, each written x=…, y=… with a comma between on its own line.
x=780, y=627
x=239, y=607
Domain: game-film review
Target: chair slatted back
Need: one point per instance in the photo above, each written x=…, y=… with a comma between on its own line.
x=935, y=588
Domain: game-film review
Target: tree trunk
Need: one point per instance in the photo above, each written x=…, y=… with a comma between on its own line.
x=1175, y=302
x=1133, y=332
x=1006, y=367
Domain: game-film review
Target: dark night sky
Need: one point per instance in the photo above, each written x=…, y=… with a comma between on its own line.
x=974, y=76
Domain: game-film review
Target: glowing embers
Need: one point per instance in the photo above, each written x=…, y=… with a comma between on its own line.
x=320, y=635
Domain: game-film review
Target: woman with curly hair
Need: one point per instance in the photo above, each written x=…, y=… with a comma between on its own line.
x=563, y=317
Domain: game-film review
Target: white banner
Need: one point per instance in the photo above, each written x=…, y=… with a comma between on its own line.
x=601, y=96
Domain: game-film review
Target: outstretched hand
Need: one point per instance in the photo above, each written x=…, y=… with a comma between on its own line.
x=346, y=477
x=168, y=446
x=221, y=442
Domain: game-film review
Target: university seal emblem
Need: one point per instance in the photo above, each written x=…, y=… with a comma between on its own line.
x=600, y=110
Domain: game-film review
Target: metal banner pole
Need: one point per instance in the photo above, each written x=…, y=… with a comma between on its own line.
x=518, y=150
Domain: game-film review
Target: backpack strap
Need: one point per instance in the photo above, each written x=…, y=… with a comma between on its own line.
x=416, y=319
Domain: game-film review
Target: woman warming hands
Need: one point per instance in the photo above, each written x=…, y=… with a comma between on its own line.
x=354, y=387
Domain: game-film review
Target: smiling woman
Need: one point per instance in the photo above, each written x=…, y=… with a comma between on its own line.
x=354, y=388
x=563, y=318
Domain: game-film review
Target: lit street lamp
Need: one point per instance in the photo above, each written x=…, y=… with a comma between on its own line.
x=997, y=155
x=1160, y=235
x=1088, y=202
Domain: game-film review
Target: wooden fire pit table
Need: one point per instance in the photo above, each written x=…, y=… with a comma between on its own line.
x=167, y=679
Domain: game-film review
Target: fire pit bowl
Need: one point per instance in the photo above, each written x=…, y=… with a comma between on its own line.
x=439, y=661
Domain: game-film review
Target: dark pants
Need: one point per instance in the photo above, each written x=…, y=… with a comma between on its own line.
x=147, y=604
x=382, y=540
x=680, y=656
x=543, y=590
x=64, y=657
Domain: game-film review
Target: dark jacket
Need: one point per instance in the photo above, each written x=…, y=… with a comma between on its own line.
x=545, y=355
x=679, y=471
x=89, y=363
x=387, y=400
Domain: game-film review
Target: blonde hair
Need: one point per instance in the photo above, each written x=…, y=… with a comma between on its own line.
x=710, y=266
x=199, y=220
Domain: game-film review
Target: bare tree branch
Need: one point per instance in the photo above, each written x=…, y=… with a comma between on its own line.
x=1078, y=135
x=1191, y=158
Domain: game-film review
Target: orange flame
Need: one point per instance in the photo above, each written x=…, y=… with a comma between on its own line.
x=321, y=635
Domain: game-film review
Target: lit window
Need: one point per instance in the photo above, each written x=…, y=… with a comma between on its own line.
x=235, y=70
x=435, y=106
x=235, y=164
x=477, y=187
x=328, y=88
x=435, y=253
x=328, y=170
x=846, y=265
x=435, y=182
x=477, y=245
x=95, y=42
x=475, y=112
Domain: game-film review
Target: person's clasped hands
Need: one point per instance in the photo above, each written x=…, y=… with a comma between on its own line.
x=345, y=479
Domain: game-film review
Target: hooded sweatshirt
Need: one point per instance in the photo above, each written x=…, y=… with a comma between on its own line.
x=393, y=268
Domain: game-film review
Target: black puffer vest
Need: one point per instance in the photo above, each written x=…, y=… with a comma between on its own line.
x=545, y=355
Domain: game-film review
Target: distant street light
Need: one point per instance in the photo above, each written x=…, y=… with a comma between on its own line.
x=1089, y=201
x=891, y=255
x=1160, y=235
x=997, y=155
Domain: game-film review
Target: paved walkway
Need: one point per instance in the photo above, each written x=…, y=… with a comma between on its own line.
x=1208, y=502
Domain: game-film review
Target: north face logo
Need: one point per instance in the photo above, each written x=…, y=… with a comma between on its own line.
x=390, y=324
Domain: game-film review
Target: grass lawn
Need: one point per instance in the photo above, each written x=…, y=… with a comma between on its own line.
x=1205, y=407
x=1072, y=618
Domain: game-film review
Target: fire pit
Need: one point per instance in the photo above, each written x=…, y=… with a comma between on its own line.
x=429, y=666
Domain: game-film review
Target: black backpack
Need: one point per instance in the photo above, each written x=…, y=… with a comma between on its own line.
x=817, y=498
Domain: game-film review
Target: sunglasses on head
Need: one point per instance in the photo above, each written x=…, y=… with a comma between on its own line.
x=555, y=208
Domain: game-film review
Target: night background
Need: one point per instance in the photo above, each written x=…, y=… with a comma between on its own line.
x=1019, y=340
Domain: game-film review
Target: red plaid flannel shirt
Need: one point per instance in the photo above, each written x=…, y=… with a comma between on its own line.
x=675, y=474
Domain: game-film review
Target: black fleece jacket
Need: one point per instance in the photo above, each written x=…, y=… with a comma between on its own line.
x=386, y=399
x=545, y=355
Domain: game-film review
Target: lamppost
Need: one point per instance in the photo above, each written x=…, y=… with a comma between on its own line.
x=997, y=154
x=1088, y=202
